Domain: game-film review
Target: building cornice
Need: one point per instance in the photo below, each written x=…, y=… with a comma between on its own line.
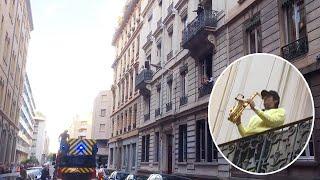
x=29, y=14
x=127, y=13
x=146, y=9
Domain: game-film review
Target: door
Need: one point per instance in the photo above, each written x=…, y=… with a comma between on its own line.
x=169, y=143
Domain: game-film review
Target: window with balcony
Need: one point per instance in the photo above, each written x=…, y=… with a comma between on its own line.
x=157, y=147
x=295, y=29
x=145, y=148
x=205, y=149
x=182, y=156
x=253, y=36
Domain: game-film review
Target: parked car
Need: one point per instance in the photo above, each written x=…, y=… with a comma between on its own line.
x=166, y=177
x=118, y=175
x=136, y=177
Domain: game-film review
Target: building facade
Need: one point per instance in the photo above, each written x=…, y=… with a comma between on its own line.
x=123, y=143
x=40, y=138
x=81, y=126
x=101, y=124
x=15, y=26
x=26, y=123
x=181, y=54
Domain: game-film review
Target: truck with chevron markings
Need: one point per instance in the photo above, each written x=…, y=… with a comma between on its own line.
x=76, y=159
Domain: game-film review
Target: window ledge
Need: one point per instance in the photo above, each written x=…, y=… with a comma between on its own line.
x=182, y=163
x=206, y=163
x=144, y=163
x=306, y=162
x=155, y=163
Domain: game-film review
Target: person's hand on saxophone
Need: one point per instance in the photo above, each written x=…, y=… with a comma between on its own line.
x=272, y=116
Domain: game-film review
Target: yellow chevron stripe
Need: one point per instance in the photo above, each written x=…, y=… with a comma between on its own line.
x=72, y=152
x=75, y=144
x=88, y=146
x=71, y=141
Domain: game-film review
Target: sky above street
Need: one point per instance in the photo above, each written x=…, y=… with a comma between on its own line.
x=70, y=56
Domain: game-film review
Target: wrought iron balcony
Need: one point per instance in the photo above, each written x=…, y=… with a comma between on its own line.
x=143, y=78
x=205, y=89
x=197, y=32
x=157, y=112
x=183, y=100
x=295, y=49
x=169, y=106
x=146, y=117
x=270, y=150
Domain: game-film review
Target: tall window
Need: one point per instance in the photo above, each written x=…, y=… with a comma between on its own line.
x=295, y=20
x=205, y=149
x=159, y=96
x=102, y=127
x=124, y=156
x=182, y=143
x=149, y=59
x=159, y=51
x=134, y=148
x=169, y=91
x=253, y=34
x=103, y=112
x=184, y=86
x=170, y=41
x=111, y=156
x=147, y=104
x=308, y=153
x=145, y=148
x=157, y=146
x=206, y=69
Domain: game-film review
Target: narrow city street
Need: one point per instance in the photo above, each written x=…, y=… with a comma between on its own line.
x=154, y=89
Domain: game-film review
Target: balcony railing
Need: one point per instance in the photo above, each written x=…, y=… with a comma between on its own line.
x=169, y=106
x=205, y=89
x=183, y=100
x=143, y=77
x=270, y=150
x=295, y=49
x=157, y=112
x=146, y=117
x=208, y=18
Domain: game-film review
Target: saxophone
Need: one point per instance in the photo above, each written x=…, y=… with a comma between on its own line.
x=237, y=110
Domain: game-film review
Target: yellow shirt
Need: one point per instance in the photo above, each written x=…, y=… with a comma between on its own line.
x=262, y=121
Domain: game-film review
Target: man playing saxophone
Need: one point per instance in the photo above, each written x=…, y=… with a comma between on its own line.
x=270, y=117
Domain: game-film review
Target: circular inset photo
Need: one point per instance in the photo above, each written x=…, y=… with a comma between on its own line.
x=261, y=114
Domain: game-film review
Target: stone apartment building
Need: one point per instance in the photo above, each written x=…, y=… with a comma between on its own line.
x=15, y=26
x=101, y=124
x=26, y=123
x=123, y=143
x=182, y=53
